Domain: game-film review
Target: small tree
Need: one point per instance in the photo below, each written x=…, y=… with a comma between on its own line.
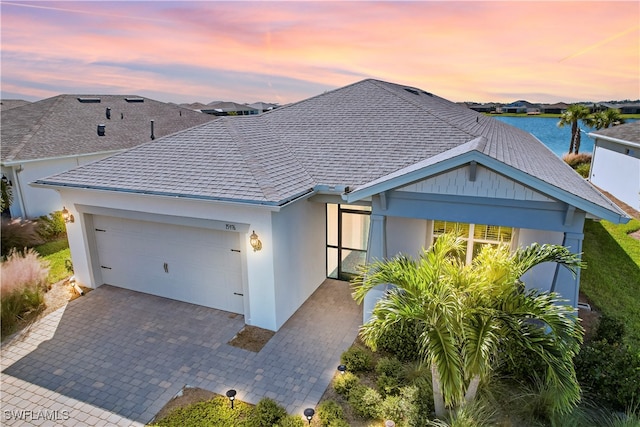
x=572, y=116
x=467, y=315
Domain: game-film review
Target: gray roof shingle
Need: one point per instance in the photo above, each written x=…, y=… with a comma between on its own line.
x=63, y=126
x=349, y=136
x=628, y=132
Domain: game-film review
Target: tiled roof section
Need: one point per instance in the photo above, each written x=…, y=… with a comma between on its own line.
x=350, y=136
x=7, y=104
x=63, y=126
x=628, y=132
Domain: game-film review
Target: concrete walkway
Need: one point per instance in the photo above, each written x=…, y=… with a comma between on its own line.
x=114, y=357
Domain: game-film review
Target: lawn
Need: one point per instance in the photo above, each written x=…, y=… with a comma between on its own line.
x=611, y=280
x=56, y=253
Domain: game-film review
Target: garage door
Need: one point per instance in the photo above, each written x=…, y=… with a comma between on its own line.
x=195, y=265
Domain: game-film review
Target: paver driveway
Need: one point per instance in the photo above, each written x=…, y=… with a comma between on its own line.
x=115, y=357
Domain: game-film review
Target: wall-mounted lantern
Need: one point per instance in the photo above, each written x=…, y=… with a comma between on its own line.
x=255, y=242
x=66, y=216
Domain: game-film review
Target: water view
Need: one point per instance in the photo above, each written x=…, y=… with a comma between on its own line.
x=546, y=130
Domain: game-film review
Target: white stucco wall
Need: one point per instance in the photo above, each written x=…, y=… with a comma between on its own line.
x=617, y=173
x=32, y=202
x=540, y=276
x=299, y=247
x=260, y=295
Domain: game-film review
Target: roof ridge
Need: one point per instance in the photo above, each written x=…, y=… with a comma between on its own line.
x=256, y=168
x=383, y=85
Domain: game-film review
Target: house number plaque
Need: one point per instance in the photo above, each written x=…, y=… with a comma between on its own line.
x=230, y=227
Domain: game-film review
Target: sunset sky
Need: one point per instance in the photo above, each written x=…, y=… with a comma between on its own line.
x=287, y=51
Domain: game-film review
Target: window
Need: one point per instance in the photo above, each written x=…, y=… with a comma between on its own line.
x=476, y=235
x=347, y=239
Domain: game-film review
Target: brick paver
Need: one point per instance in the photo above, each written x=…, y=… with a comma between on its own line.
x=114, y=357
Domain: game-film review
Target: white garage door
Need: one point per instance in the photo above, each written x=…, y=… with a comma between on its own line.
x=195, y=265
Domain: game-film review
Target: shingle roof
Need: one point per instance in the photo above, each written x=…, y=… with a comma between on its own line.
x=350, y=136
x=7, y=104
x=628, y=132
x=63, y=125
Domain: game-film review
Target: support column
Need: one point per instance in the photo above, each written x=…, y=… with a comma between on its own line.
x=564, y=282
x=377, y=248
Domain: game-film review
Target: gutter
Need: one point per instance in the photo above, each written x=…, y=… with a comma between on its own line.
x=596, y=136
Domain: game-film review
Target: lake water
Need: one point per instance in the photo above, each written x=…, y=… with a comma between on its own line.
x=546, y=130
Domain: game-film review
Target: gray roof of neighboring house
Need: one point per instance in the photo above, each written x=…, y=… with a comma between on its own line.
x=66, y=125
x=349, y=136
x=227, y=106
x=628, y=132
x=7, y=104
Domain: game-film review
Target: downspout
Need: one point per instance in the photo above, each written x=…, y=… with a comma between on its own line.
x=21, y=202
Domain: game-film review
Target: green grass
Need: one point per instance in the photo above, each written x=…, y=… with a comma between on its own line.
x=56, y=253
x=611, y=280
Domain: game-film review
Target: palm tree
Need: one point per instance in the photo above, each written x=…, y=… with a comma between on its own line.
x=605, y=119
x=468, y=315
x=572, y=116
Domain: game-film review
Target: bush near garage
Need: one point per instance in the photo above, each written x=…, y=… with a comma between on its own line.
x=24, y=280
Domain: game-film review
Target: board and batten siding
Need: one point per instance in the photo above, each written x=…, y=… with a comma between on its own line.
x=487, y=183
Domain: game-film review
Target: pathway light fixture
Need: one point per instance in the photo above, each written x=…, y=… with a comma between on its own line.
x=231, y=394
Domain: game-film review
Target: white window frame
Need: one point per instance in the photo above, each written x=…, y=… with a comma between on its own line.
x=470, y=239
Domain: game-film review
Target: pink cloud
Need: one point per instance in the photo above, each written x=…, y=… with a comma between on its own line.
x=460, y=50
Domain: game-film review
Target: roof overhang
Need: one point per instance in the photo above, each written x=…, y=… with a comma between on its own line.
x=428, y=168
x=596, y=136
x=70, y=156
x=275, y=206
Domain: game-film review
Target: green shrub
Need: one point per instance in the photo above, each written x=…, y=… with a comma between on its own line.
x=328, y=412
x=267, y=413
x=583, y=170
x=401, y=340
x=391, y=367
x=291, y=421
x=17, y=234
x=343, y=383
x=52, y=227
x=24, y=280
x=365, y=401
x=357, y=359
x=610, y=373
x=339, y=423
x=387, y=385
x=213, y=412
x=610, y=329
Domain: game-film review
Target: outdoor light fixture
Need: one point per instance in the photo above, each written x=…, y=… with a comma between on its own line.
x=231, y=394
x=342, y=369
x=308, y=413
x=256, y=244
x=66, y=216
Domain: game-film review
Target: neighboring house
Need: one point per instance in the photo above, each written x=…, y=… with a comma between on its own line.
x=227, y=108
x=625, y=108
x=62, y=132
x=359, y=173
x=263, y=107
x=521, y=106
x=485, y=108
x=557, y=108
x=615, y=165
x=7, y=104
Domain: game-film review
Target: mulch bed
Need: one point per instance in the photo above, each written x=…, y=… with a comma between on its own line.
x=251, y=338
